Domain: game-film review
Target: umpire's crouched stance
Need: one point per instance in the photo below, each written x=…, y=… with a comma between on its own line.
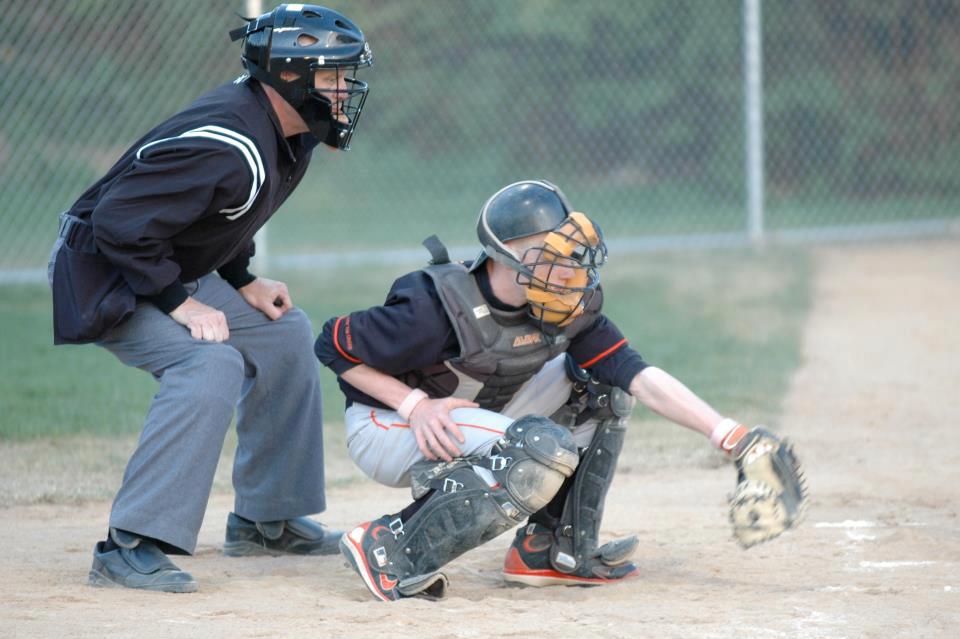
x=132, y=270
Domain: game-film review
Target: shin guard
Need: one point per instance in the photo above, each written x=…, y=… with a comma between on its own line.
x=577, y=533
x=472, y=500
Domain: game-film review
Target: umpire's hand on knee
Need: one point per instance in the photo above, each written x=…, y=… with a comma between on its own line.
x=268, y=296
x=204, y=322
x=429, y=422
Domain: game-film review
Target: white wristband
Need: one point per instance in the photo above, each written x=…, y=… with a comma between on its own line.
x=721, y=430
x=410, y=402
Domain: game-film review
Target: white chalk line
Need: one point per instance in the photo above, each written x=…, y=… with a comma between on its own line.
x=892, y=565
x=846, y=524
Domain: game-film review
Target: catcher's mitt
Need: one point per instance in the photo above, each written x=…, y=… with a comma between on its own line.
x=771, y=493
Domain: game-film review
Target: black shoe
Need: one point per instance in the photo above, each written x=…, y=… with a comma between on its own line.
x=137, y=563
x=300, y=536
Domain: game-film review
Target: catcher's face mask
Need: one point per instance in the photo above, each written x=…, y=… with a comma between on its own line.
x=561, y=275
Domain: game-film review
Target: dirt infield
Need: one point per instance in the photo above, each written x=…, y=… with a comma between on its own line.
x=872, y=411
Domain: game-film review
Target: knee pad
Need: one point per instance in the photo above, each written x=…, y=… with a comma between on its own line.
x=532, y=460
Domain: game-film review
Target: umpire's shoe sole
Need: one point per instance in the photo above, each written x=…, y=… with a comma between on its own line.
x=249, y=549
x=98, y=579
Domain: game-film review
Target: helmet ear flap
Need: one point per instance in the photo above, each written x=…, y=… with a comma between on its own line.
x=257, y=49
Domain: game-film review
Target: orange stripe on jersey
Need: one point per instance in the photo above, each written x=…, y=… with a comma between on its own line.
x=336, y=343
x=596, y=359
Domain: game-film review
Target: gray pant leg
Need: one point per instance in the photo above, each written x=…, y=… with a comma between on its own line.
x=269, y=368
x=168, y=478
x=278, y=467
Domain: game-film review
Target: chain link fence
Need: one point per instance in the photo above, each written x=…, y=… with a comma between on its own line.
x=636, y=109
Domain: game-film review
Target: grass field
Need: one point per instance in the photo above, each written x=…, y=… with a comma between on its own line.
x=353, y=203
x=725, y=323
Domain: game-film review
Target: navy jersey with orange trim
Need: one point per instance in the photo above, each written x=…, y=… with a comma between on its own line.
x=412, y=332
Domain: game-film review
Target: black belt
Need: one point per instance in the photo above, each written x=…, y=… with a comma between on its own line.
x=76, y=233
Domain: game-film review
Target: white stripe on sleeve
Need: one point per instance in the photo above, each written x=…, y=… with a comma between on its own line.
x=240, y=142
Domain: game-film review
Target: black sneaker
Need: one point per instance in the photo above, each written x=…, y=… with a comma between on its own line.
x=137, y=563
x=528, y=561
x=365, y=549
x=300, y=536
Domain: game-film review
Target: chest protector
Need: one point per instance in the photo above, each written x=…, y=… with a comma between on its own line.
x=499, y=350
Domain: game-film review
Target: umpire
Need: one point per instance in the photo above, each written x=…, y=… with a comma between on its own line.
x=133, y=271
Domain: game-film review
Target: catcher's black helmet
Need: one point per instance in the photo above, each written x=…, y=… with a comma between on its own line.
x=572, y=243
x=304, y=38
x=519, y=210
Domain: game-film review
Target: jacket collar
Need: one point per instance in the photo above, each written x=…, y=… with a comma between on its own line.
x=285, y=143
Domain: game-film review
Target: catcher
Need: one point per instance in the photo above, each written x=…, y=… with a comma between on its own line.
x=499, y=393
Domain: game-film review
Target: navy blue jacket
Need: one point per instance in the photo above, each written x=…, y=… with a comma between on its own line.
x=187, y=198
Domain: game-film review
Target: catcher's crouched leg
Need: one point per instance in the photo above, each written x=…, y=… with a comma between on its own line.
x=460, y=505
x=560, y=545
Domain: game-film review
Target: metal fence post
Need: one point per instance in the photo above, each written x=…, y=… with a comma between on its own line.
x=262, y=258
x=753, y=96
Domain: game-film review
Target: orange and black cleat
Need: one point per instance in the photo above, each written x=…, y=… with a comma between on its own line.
x=367, y=548
x=528, y=561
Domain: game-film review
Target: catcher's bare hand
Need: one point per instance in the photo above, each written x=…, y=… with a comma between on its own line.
x=430, y=420
x=205, y=322
x=771, y=493
x=269, y=296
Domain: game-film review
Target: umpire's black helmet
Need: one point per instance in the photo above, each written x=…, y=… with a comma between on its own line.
x=304, y=38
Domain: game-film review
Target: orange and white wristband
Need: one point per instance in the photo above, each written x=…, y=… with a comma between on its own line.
x=727, y=434
x=410, y=402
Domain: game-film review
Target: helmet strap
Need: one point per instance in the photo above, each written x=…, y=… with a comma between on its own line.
x=319, y=119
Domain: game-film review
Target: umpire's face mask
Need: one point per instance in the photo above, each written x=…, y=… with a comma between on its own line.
x=332, y=105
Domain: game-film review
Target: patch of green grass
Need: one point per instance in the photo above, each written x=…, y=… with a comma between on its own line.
x=51, y=391
x=799, y=213
x=726, y=323
x=382, y=199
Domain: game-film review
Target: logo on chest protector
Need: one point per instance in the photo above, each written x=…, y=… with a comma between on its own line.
x=526, y=340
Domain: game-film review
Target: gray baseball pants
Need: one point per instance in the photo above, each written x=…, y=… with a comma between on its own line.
x=267, y=371
x=380, y=442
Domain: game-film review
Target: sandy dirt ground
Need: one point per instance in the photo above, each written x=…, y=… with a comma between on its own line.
x=872, y=411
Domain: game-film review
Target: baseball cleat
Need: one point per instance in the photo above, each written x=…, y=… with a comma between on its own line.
x=365, y=549
x=528, y=562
